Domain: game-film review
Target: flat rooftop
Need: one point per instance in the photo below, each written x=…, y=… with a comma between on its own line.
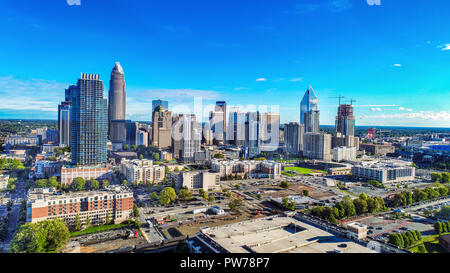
x=280, y=235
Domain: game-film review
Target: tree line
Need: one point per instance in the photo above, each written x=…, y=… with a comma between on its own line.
x=417, y=195
x=349, y=208
x=405, y=239
x=440, y=177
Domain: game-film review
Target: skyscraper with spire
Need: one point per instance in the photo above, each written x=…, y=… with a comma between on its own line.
x=309, y=111
x=117, y=106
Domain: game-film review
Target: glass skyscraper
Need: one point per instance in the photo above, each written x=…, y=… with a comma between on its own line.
x=309, y=111
x=89, y=126
x=64, y=123
x=163, y=103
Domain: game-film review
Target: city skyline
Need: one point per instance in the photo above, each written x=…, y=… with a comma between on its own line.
x=396, y=81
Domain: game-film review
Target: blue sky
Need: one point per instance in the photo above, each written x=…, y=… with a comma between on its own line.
x=393, y=58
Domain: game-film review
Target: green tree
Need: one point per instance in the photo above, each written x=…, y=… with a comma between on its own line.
x=438, y=227
x=135, y=211
x=52, y=182
x=94, y=184
x=258, y=196
x=436, y=177
x=305, y=192
x=285, y=184
x=41, y=183
x=108, y=218
x=88, y=222
x=125, y=147
x=421, y=248
x=78, y=184
x=445, y=177
x=41, y=237
x=211, y=199
x=154, y=196
x=105, y=183
x=349, y=206
x=184, y=194
x=77, y=223
x=167, y=195
x=235, y=203
x=218, y=156
x=125, y=182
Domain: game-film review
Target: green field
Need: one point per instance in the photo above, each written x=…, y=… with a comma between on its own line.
x=96, y=229
x=288, y=174
x=431, y=243
x=303, y=171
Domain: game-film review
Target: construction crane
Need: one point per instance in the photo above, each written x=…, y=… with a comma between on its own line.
x=340, y=97
x=352, y=101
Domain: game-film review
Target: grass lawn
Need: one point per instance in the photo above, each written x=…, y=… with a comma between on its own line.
x=288, y=174
x=96, y=229
x=431, y=244
x=303, y=170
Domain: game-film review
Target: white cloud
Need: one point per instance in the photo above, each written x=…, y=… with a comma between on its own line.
x=340, y=5
x=422, y=115
x=375, y=109
x=376, y=105
x=444, y=47
x=306, y=8
x=261, y=80
x=405, y=109
x=278, y=80
x=397, y=65
x=240, y=88
x=34, y=94
x=296, y=80
x=73, y=2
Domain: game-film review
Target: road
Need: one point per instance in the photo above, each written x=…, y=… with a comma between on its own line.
x=17, y=197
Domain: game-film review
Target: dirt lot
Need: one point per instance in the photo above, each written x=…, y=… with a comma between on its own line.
x=111, y=245
x=313, y=193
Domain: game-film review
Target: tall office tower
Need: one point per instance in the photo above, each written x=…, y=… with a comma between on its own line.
x=235, y=127
x=253, y=133
x=270, y=131
x=64, y=117
x=309, y=111
x=141, y=138
x=345, y=121
x=207, y=134
x=89, y=124
x=220, y=129
x=186, y=137
x=293, y=135
x=317, y=146
x=216, y=124
x=64, y=123
x=162, y=128
x=163, y=103
x=117, y=107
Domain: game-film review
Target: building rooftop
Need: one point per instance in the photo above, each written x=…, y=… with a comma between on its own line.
x=278, y=235
x=47, y=194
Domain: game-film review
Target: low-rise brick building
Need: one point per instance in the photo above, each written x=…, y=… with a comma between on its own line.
x=47, y=204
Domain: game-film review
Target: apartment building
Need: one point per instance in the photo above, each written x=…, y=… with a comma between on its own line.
x=115, y=202
x=385, y=172
x=99, y=172
x=195, y=180
x=251, y=168
x=142, y=171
